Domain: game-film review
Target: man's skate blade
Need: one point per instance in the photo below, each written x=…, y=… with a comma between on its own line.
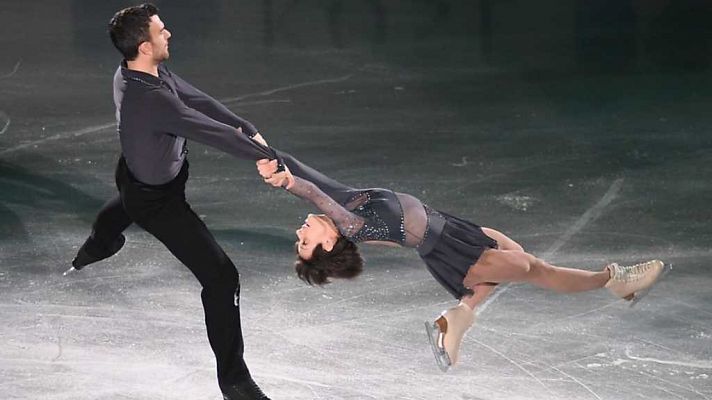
x=70, y=271
x=441, y=356
x=639, y=295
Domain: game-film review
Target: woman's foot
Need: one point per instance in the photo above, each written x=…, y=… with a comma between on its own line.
x=630, y=282
x=447, y=332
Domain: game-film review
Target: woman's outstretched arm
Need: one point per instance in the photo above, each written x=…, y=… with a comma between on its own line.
x=336, y=190
x=347, y=222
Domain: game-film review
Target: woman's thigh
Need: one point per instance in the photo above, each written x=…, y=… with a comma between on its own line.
x=498, y=266
x=504, y=241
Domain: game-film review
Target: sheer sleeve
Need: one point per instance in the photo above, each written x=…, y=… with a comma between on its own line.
x=347, y=222
x=336, y=190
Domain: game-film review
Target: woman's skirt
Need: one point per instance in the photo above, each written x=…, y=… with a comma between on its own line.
x=451, y=247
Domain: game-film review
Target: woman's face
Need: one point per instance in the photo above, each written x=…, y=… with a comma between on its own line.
x=317, y=229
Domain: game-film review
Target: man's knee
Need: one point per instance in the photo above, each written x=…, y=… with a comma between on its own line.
x=218, y=274
x=222, y=291
x=228, y=278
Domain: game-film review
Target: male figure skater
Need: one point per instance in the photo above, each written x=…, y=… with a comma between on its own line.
x=156, y=112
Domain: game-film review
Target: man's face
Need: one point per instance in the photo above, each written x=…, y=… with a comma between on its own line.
x=159, y=39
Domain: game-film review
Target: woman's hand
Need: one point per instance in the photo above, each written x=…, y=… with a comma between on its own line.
x=282, y=179
x=266, y=167
x=268, y=172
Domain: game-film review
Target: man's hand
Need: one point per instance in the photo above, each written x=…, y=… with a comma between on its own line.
x=259, y=139
x=268, y=171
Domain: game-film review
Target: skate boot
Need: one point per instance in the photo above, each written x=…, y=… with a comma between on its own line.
x=447, y=332
x=245, y=389
x=92, y=251
x=633, y=282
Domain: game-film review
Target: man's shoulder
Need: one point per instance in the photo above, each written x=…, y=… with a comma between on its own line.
x=142, y=98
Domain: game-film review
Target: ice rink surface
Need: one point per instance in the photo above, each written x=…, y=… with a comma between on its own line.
x=582, y=162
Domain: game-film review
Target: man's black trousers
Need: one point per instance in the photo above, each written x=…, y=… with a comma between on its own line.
x=162, y=211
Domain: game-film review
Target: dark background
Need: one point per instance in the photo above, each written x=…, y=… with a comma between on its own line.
x=579, y=128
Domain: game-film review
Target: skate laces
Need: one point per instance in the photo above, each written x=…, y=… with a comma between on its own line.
x=631, y=273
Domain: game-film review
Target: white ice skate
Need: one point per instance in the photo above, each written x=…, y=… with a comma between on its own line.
x=635, y=281
x=446, y=334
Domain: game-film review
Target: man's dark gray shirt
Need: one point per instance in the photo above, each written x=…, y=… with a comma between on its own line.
x=156, y=115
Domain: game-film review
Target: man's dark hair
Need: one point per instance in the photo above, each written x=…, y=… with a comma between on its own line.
x=343, y=261
x=128, y=28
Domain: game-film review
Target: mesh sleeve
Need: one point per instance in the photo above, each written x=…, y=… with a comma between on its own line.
x=336, y=190
x=347, y=222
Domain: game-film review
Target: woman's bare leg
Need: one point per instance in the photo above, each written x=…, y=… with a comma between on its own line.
x=454, y=323
x=518, y=266
x=508, y=263
x=483, y=290
x=504, y=242
x=500, y=265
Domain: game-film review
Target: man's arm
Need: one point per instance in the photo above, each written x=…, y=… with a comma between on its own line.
x=173, y=117
x=198, y=100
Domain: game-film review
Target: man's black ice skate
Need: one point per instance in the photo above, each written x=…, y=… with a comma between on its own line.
x=92, y=251
x=245, y=389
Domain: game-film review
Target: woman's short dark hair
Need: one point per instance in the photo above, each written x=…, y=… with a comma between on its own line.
x=128, y=28
x=343, y=261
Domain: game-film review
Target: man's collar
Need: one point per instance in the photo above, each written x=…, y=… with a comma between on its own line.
x=140, y=75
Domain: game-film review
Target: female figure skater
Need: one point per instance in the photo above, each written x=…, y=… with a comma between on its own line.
x=466, y=259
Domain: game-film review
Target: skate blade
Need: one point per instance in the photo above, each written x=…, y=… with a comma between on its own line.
x=70, y=271
x=639, y=295
x=441, y=356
